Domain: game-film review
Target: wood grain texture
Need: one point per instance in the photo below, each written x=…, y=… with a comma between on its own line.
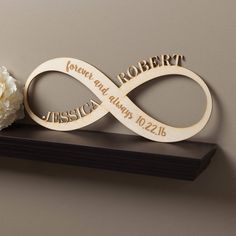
x=127, y=153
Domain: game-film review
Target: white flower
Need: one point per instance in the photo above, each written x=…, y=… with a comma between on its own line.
x=11, y=99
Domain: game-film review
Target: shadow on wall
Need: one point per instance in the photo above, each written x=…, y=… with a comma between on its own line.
x=216, y=183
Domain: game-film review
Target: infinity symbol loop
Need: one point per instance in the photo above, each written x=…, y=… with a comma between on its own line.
x=114, y=100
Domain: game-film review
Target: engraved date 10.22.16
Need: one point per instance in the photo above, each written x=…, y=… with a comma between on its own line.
x=150, y=127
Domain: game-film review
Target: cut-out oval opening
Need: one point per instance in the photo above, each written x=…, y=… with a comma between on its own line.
x=58, y=92
x=174, y=100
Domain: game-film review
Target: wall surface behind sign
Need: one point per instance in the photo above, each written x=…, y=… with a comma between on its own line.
x=50, y=199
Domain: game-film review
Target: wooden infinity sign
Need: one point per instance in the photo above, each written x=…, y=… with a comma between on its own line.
x=114, y=99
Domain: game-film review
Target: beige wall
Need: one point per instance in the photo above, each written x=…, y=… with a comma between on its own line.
x=45, y=199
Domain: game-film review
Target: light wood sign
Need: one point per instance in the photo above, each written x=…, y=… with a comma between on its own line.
x=114, y=99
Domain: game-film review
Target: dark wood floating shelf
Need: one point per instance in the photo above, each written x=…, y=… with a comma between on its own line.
x=127, y=153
